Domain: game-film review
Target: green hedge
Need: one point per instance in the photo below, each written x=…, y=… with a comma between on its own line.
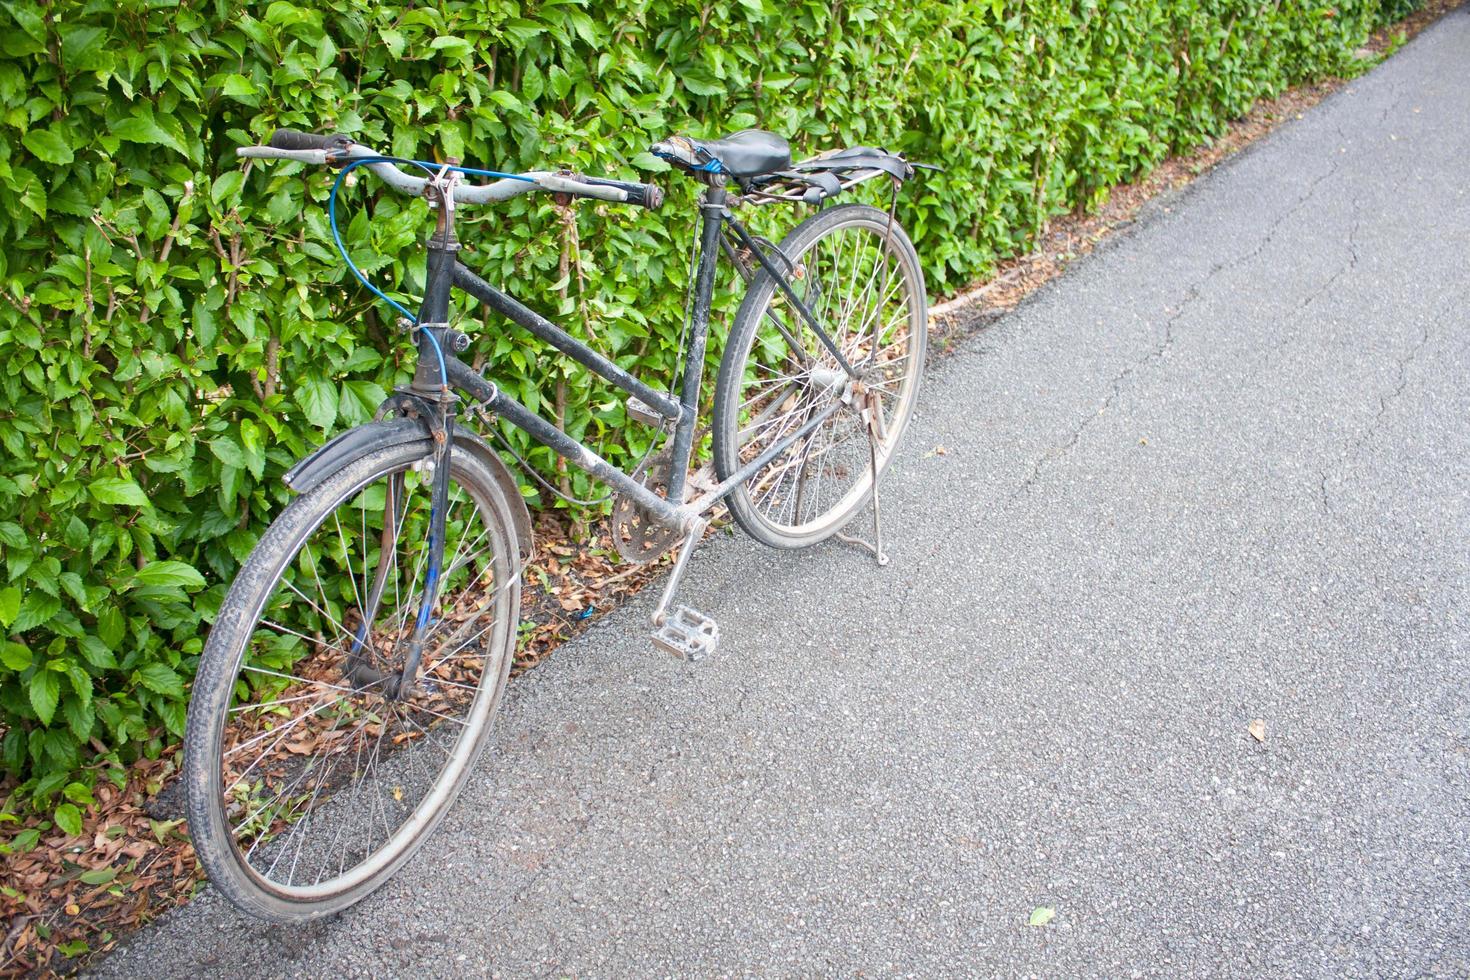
x=175, y=328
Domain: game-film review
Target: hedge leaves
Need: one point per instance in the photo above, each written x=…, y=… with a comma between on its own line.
x=176, y=331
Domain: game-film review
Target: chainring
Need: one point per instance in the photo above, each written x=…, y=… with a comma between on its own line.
x=636, y=533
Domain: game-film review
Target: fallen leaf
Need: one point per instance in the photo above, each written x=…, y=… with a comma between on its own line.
x=398, y=793
x=1257, y=728
x=1041, y=915
x=162, y=828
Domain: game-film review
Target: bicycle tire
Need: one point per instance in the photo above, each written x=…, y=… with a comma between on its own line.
x=221, y=713
x=828, y=270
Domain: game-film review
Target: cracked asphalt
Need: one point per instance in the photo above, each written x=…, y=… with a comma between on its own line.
x=1220, y=471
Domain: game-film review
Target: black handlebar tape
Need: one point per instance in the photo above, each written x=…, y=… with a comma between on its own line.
x=291, y=139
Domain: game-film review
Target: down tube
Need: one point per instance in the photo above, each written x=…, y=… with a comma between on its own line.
x=481, y=390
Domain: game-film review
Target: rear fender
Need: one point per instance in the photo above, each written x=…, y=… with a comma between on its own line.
x=310, y=471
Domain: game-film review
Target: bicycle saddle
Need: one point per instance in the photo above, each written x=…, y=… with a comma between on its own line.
x=748, y=153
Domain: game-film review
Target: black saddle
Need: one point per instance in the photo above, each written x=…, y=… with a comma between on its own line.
x=748, y=153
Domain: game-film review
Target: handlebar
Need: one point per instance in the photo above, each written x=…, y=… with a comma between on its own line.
x=338, y=150
x=292, y=139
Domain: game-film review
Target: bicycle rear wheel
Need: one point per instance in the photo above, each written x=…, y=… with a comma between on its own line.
x=859, y=275
x=310, y=778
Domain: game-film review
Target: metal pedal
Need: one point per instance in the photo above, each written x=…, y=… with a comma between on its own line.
x=688, y=634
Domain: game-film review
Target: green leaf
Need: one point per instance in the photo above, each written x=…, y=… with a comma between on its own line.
x=48, y=146
x=32, y=191
x=45, y=690
x=161, y=679
x=35, y=609
x=647, y=161
x=283, y=207
x=455, y=48
x=226, y=187
x=238, y=86
x=73, y=586
x=97, y=876
x=10, y=607
x=163, y=829
x=318, y=399
x=83, y=47
x=16, y=656
x=97, y=651
x=110, y=627
x=1041, y=915
x=141, y=127
x=228, y=451
x=700, y=82
x=80, y=717
x=359, y=400
x=81, y=683
x=254, y=449
x=68, y=819
x=73, y=948
x=12, y=535
x=171, y=573
x=118, y=490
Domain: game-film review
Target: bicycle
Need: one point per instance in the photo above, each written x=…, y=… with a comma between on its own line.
x=368, y=636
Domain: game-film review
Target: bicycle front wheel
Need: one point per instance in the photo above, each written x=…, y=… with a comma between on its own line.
x=857, y=272
x=311, y=778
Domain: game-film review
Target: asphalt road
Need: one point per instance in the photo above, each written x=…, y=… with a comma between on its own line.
x=1220, y=471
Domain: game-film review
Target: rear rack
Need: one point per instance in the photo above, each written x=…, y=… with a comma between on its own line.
x=826, y=175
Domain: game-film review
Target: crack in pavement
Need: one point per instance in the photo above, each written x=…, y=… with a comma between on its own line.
x=1358, y=443
x=1321, y=290
x=1161, y=350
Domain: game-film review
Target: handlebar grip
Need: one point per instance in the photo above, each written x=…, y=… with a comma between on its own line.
x=649, y=196
x=291, y=139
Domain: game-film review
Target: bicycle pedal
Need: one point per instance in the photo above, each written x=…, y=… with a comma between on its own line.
x=688, y=634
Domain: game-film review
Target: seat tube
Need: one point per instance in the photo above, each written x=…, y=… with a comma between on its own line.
x=712, y=211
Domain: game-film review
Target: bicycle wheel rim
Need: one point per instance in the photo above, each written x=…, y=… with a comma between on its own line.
x=429, y=789
x=862, y=279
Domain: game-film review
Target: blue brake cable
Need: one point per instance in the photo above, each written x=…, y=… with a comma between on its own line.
x=431, y=169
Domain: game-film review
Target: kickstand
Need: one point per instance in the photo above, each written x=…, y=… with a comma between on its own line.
x=873, y=416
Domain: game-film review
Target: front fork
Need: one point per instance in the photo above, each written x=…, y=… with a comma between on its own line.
x=359, y=670
x=429, y=398
x=439, y=505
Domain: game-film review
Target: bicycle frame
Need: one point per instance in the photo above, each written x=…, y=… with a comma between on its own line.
x=438, y=372
x=445, y=272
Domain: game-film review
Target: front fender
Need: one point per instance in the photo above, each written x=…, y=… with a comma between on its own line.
x=328, y=459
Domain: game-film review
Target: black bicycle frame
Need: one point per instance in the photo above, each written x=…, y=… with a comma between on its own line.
x=446, y=271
